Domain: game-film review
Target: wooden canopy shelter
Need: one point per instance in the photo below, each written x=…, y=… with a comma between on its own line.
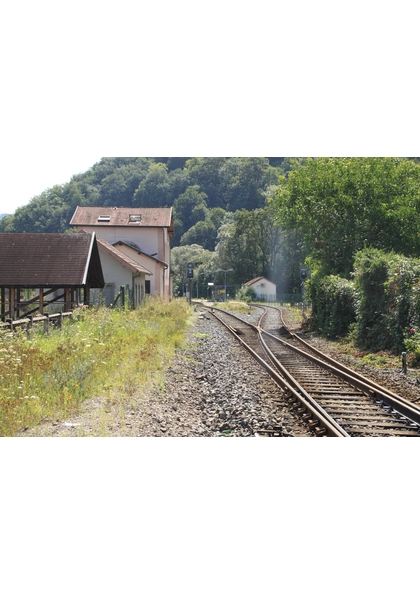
x=38, y=269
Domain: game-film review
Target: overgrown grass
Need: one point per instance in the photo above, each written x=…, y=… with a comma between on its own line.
x=235, y=306
x=98, y=352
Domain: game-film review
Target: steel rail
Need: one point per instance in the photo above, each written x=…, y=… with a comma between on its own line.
x=305, y=402
x=343, y=367
x=293, y=382
x=383, y=397
x=366, y=385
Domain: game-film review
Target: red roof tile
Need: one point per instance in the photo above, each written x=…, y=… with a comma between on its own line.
x=49, y=260
x=258, y=278
x=88, y=216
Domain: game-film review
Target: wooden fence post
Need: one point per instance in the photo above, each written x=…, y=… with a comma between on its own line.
x=29, y=325
x=47, y=323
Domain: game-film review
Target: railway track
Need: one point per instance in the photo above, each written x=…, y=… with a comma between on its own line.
x=334, y=400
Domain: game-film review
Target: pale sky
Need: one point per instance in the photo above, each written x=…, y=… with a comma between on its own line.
x=87, y=79
x=40, y=173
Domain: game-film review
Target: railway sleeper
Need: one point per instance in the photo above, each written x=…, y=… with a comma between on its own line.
x=269, y=432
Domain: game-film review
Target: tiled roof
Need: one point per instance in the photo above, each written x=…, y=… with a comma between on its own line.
x=122, y=258
x=49, y=260
x=258, y=278
x=122, y=217
x=136, y=248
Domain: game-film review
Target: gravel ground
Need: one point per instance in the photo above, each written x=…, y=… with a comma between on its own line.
x=211, y=389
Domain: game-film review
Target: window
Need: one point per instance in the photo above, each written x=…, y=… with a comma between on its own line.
x=134, y=218
x=104, y=218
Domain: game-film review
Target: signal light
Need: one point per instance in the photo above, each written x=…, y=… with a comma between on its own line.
x=303, y=274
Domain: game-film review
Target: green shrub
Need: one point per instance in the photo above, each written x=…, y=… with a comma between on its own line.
x=371, y=275
x=332, y=300
x=246, y=294
x=387, y=300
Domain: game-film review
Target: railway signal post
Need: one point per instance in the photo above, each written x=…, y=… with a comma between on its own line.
x=190, y=276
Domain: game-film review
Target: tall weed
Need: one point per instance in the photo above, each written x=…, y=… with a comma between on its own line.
x=98, y=351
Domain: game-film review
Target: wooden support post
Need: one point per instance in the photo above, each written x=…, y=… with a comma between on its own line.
x=12, y=295
x=41, y=301
x=3, y=300
x=47, y=323
x=29, y=326
x=17, y=304
x=67, y=299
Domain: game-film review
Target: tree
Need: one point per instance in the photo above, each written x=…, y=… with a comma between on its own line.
x=202, y=233
x=181, y=257
x=154, y=189
x=46, y=213
x=245, y=181
x=224, y=182
x=340, y=205
x=206, y=173
x=118, y=188
x=189, y=208
x=248, y=244
x=172, y=163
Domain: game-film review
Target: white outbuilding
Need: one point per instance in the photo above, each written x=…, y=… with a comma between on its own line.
x=265, y=289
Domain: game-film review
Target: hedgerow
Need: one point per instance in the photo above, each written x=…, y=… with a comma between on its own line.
x=332, y=301
x=381, y=306
x=387, y=302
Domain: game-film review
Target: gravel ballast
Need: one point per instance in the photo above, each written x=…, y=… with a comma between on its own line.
x=212, y=388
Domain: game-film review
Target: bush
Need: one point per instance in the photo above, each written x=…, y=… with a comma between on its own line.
x=332, y=300
x=371, y=274
x=388, y=301
x=246, y=294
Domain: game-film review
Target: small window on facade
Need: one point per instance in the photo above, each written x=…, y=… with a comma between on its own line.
x=104, y=218
x=134, y=218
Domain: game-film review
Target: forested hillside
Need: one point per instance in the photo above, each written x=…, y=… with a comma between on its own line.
x=237, y=218
x=205, y=194
x=222, y=182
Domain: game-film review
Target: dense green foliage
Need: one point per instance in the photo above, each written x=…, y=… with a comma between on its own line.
x=341, y=205
x=247, y=294
x=217, y=182
x=333, y=307
x=387, y=300
x=381, y=307
x=372, y=301
x=219, y=204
